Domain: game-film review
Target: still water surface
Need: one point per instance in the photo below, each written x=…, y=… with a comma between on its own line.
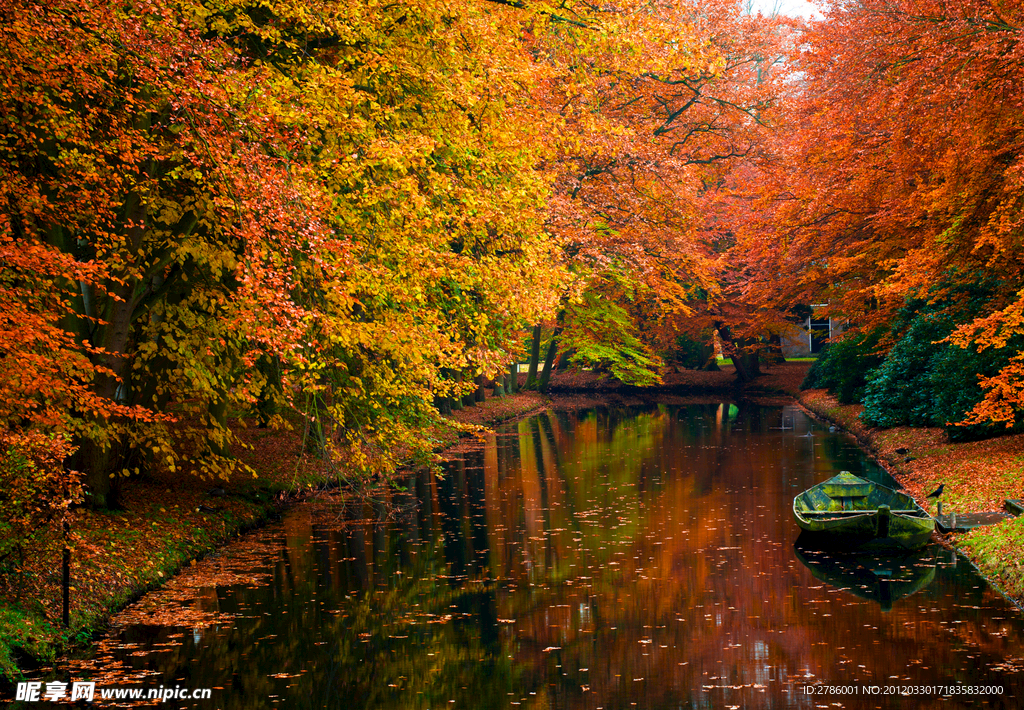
x=608, y=558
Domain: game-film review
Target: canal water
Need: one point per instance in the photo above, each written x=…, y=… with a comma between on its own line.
x=607, y=558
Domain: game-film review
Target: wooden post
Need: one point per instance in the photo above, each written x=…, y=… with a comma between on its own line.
x=66, y=588
x=939, y=510
x=882, y=521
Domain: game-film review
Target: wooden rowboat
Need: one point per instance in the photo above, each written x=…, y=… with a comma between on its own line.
x=853, y=512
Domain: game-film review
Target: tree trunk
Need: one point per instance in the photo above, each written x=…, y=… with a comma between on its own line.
x=531, y=377
x=443, y=405
x=456, y=399
x=513, y=377
x=563, y=359
x=751, y=363
x=481, y=388
x=99, y=461
x=549, y=361
x=218, y=411
x=267, y=402
x=65, y=615
x=730, y=350
x=469, y=398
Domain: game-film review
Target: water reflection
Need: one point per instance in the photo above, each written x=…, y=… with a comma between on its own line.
x=880, y=578
x=612, y=558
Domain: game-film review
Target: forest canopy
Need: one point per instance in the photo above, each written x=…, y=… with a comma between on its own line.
x=355, y=213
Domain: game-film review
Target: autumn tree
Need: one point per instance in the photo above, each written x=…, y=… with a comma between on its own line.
x=899, y=175
x=210, y=206
x=164, y=227
x=655, y=103
x=417, y=119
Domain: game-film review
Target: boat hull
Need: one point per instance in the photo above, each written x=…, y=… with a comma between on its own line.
x=851, y=512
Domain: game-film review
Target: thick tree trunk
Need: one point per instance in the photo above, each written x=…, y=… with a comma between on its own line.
x=481, y=388
x=549, y=361
x=729, y=349
x=457, y=399
x=751, y=363
x=218, y=412
x=513, y=377
x=469, y=398
x=99, y=461
x=443, y=405
x=65, y=586
x=267, y=402
x=775, y=355
x=563, y=360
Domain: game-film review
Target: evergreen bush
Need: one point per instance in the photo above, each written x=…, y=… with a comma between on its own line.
x=923, y=382
x=900, y=391
x=843, y=365
x=691, y=353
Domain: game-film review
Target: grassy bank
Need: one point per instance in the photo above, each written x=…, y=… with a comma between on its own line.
x=167, y=521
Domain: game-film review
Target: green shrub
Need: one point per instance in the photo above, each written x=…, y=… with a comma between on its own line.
x=923, y=382
x=842, y=366
x=899, y=391
x=601, y=335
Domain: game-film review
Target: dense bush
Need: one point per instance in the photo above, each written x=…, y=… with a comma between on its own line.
x=900, y=390
x=842, y=366
x=923, y=382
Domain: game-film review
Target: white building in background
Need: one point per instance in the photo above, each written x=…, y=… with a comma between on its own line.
x=811, y=335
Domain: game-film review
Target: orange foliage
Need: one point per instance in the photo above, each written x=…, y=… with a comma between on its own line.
x=898, y=174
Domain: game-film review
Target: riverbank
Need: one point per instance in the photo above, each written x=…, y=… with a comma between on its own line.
x=167, y=522
x=595, y=543
x=978, y=476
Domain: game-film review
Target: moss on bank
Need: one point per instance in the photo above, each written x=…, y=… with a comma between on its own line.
x=116, y=557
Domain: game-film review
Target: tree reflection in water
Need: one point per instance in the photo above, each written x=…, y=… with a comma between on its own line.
x=593, y=559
